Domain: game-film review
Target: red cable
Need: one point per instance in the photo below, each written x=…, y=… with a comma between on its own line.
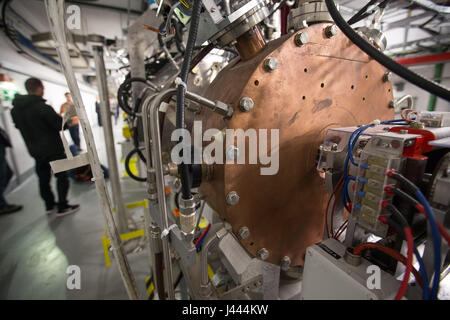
x=404, y=284
x=341, y=229
x=328, y=206
x=202, y=235
x=391, y=252
x=442, y=230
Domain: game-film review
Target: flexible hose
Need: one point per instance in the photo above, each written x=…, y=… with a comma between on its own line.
x=422, y=269
x=387, y=62
x=195, y=19
x=433, y=225
x=127, y=165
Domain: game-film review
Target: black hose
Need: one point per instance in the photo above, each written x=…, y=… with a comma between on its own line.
x=195, y=19
x=127, y=165
x=387, y=62
x=123, y=94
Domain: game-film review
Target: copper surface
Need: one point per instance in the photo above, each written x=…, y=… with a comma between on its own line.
x=324, y=84
x=250, y=44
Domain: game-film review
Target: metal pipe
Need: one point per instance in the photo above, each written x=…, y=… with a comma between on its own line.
x=105, y=113
x=55, y=12
x=150, y=107
x=407, y=98
x=205, y=288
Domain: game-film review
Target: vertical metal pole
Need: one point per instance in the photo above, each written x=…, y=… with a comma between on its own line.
x=55, y=12
x=109, y=140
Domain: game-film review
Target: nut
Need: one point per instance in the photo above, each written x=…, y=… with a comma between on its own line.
x=331, y=31
x=301, y=39
x=285, y=263
x=270, y=64
x=232, y=153
x=263, y=254
x=243, y=233
x=387, y=77
x=246, y=104
x=232, y=198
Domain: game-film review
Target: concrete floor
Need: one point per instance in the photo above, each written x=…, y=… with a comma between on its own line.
x=36, y=249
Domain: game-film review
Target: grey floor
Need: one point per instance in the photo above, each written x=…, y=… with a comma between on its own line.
x=36, y=249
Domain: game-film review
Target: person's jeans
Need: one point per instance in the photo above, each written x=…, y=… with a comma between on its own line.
x=75, y=134
x=44, y=173
x=5, y=175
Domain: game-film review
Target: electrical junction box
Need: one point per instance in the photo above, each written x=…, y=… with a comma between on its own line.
x=327, y=276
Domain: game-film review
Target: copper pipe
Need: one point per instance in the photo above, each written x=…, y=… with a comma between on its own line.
x=250, y=44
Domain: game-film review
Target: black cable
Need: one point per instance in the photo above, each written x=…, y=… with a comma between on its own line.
x=195, y=19
x=124, y=93
x=127, y=166
x=390, y=64
x=362, y=14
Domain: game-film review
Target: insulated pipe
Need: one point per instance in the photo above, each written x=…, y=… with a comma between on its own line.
x=55, y=12
x=105, y=113
x=387, y=62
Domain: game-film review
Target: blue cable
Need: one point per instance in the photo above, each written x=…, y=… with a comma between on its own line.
x=423, y=273
x=436, y=242
x=201, y=240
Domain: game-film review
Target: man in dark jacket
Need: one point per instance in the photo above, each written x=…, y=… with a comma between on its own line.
x=39, y=125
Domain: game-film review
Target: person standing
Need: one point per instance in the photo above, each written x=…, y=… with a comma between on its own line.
x=39, y=125
x=97, y=109
x=74, y=126
x=5, y=174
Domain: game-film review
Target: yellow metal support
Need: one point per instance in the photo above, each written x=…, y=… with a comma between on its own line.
x=106, y=242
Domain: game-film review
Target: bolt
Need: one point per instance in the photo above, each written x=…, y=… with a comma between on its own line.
x=246, y=104
x=331, y=31
x=232, y=153
x=301, y=39
x=334, y=147
x=270, y=64
x=391, y=105
x=244, y=233
x=387, y=77
x=285, y=263
x=263, y=254
x=232, y=198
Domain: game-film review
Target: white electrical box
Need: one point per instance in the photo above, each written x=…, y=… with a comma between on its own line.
x=327, y=276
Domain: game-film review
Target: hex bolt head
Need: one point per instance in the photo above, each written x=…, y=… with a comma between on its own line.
x=263, y=254
x=270, y=64
x=331, y=31
x=387, y=77
x=232, y=153
x=334, y=147
x=301, y=39
x=246, y=104
x=243, y=233
x=285, y=263
x=232, y=198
